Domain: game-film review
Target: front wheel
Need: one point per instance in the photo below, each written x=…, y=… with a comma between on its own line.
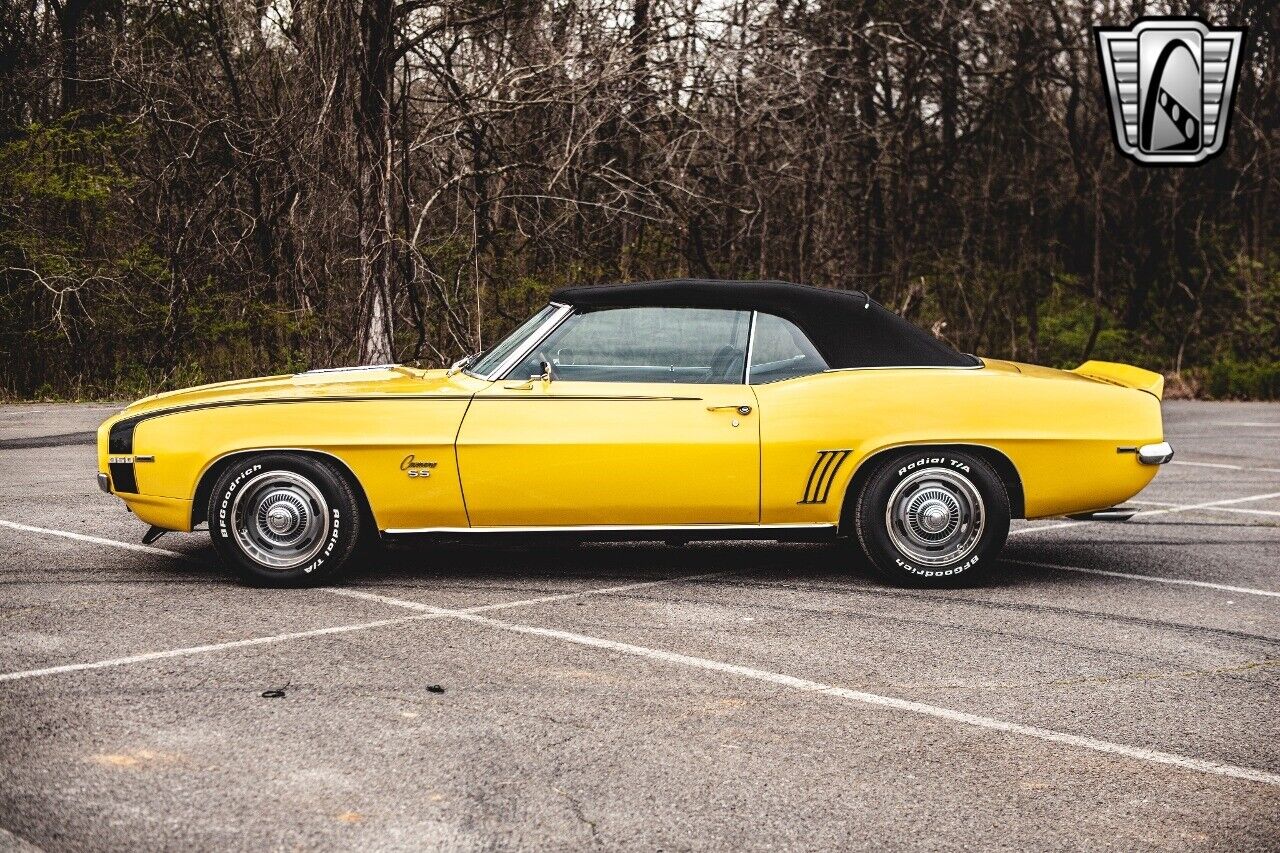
x=932, y=518
x=281, y=519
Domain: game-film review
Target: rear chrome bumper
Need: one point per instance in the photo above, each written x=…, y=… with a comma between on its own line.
x=1155, y=454
x=104, y=482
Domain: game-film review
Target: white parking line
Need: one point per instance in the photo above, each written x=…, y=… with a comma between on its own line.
x=921, y=708
x=98, y=540
x=1222, y=465
x=527, y=602
x=1252, y=436
x=1208, y=504
x=1218, y=768
x=1243, y=590
x=1150, y=512
x=1214, y=767
x=1041, y=527
x=1239, y=509
x=148, y=549
x=211, y=647
x=427, y=611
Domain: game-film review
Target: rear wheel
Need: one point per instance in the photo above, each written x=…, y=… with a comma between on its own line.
x=282, y=519
x=932, y=518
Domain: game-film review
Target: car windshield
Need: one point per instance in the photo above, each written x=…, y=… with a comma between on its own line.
x=489, y=361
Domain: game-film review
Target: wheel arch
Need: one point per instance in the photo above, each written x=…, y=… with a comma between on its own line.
x=204, y=486
x=999, y=462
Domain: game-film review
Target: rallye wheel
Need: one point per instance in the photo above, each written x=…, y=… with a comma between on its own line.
x=932, y=517
x=282, y=519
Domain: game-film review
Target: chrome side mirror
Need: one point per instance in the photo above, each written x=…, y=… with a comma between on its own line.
x=545, y=377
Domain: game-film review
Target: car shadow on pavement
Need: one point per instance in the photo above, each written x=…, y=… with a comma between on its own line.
x=608, y=562
x=422, y=564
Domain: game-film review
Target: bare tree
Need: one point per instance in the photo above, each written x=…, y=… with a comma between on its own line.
x=208, y=188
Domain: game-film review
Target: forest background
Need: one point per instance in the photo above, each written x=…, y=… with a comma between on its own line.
x=198, y=190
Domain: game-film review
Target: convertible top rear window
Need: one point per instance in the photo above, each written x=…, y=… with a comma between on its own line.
x=779, y=350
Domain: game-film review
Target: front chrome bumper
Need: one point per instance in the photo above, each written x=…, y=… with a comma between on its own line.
x=1155, y=454
x=104, y=482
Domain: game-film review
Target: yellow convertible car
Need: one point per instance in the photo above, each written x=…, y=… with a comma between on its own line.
x=671, y=410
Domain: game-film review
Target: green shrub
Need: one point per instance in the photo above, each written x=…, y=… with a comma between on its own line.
x=1234, y=380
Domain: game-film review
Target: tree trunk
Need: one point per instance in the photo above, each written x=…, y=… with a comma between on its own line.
x=373, y=166
x=69, y=14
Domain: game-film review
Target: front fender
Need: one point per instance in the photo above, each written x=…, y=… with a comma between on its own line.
x=371, y=438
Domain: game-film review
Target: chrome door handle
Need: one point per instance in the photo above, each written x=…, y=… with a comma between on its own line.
x=742, y=410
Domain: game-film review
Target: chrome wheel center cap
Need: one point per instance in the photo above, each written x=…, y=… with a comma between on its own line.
x=280, y=519
x=934, y=517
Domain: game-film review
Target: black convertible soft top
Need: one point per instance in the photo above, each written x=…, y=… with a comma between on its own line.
x=848, y=328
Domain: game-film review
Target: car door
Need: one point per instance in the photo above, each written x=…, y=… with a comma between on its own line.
x=644, y=421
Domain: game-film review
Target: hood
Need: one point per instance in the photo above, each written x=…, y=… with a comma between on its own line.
x=377, y=381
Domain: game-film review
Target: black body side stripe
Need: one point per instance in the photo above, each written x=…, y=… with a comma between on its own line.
x=818, y=487
x=480, y=398
x=121, y=438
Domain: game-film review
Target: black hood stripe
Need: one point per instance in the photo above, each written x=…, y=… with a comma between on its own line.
x=121, y=437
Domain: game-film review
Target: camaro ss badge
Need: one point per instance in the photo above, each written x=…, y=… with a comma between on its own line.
x=416, y=468
x=1170, y=83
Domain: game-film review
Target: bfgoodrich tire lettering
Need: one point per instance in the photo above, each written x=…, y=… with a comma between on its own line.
x=284, y=519
x=932, y=517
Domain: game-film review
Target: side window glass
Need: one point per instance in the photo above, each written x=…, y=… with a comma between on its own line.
x=701, y=345
x=781, y=351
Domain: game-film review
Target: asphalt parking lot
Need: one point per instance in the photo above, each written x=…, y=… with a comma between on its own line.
x=1115, y=687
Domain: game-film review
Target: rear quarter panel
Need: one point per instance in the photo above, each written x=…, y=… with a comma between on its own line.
x=1060, y=431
